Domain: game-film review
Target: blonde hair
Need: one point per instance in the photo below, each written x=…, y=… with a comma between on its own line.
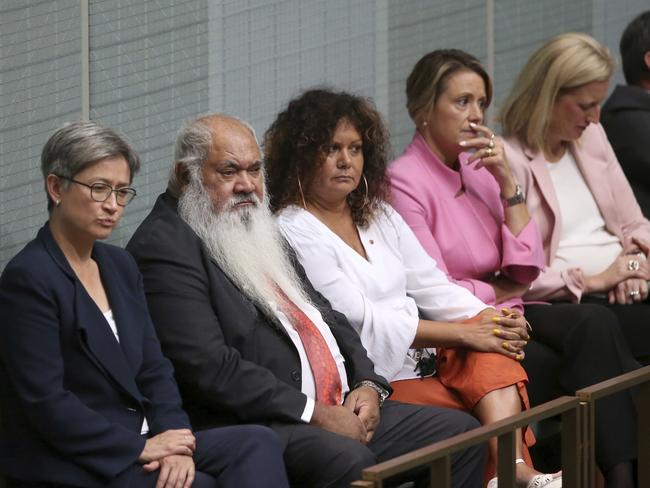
x=430, y=75
x=563, y=63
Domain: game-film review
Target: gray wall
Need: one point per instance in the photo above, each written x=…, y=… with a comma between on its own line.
x=154, y=64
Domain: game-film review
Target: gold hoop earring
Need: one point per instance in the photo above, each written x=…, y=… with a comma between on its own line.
x=366, y=200
x=302, y=195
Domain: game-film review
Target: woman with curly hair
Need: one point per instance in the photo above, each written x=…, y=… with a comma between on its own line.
x=433, y=340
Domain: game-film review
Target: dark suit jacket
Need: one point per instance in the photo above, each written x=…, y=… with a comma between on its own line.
x=626, y=118
x=73, y=398
x=233, y=363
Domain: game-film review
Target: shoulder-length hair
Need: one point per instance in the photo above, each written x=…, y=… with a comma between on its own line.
x=296, y=142
x=563, y=63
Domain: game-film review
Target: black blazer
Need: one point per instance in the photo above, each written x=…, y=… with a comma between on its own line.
x=626, y=119
x=73, y=398
x=233, y=363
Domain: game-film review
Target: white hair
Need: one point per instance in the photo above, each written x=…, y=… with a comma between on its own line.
x=244, y=241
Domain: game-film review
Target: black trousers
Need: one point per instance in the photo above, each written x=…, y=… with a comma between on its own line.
x=575, y=346
x=318, y=458
x=634, y=321
x=247, y=456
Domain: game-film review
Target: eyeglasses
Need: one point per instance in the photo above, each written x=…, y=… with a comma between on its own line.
x=100, y=192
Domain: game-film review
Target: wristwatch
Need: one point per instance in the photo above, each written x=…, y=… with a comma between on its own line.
x=381, y=391
x=516, y=199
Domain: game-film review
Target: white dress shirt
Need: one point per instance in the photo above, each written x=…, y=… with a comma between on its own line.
x=308, y=386
x=382, y=297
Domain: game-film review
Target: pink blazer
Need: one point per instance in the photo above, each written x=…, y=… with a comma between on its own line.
x=611, y=190
x=465, y=234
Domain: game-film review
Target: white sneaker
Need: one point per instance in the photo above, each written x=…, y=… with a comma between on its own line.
x=539, y=481
x=545, y=481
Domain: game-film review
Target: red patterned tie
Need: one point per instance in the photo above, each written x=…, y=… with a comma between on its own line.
x=323, y=366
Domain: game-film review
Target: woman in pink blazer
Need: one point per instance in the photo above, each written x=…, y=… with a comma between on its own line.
x=454, y=187
x=595, y=236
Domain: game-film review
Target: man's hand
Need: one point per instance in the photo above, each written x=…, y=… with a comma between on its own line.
x=177, y=441
x=364, y=403
x=340, y=420
x=175, y=471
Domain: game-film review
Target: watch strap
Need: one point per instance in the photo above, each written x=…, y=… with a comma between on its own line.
x=516, y=199
x=382, y=392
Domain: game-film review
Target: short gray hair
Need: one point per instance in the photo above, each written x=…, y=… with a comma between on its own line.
x=193, y=145
x=78, y=145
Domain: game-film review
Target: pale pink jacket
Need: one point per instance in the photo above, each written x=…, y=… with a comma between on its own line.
x=611, y=190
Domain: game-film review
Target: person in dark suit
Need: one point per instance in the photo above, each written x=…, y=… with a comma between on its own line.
x=250, y=338
x=626, y=113
x=86, y=396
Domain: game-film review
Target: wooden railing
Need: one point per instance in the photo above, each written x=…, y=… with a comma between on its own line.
x=578, y=435
x=438, y=456
x=588, y=396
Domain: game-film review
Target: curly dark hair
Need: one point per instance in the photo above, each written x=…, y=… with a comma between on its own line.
x=295, y=145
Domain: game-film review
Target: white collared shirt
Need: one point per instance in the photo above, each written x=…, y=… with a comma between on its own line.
x=308, y=383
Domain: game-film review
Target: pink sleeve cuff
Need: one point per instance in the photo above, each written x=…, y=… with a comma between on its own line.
x=523, y=255
x=575, y=282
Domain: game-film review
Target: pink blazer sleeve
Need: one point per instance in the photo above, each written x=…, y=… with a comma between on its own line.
x=550, y=284
x=627, y=213
x=611, y=191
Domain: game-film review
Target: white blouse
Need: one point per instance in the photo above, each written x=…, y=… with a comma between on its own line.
x=382, y=297
x=585, y=242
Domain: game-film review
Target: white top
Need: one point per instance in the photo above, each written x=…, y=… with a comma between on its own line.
x=308, y=383
x=108, y=315
x=584, y=241
x=384, y=296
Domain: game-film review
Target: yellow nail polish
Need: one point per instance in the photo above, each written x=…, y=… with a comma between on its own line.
x=505, y=345
x=525, y=343
x=496, y=319
x=496, y=332
x=505, y=310
x=519, y=357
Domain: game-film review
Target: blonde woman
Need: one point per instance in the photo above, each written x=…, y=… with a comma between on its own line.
x=595, y=236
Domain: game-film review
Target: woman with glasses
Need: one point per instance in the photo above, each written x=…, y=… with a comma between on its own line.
x=86, y=397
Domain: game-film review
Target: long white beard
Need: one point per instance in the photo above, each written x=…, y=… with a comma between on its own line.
x=245, y=242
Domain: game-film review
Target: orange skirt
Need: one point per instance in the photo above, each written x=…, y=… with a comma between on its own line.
x=463, y=378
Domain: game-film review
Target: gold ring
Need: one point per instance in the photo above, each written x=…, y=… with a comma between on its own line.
x=632, y=265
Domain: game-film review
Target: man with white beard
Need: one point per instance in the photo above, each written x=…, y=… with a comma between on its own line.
x=251, y=340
